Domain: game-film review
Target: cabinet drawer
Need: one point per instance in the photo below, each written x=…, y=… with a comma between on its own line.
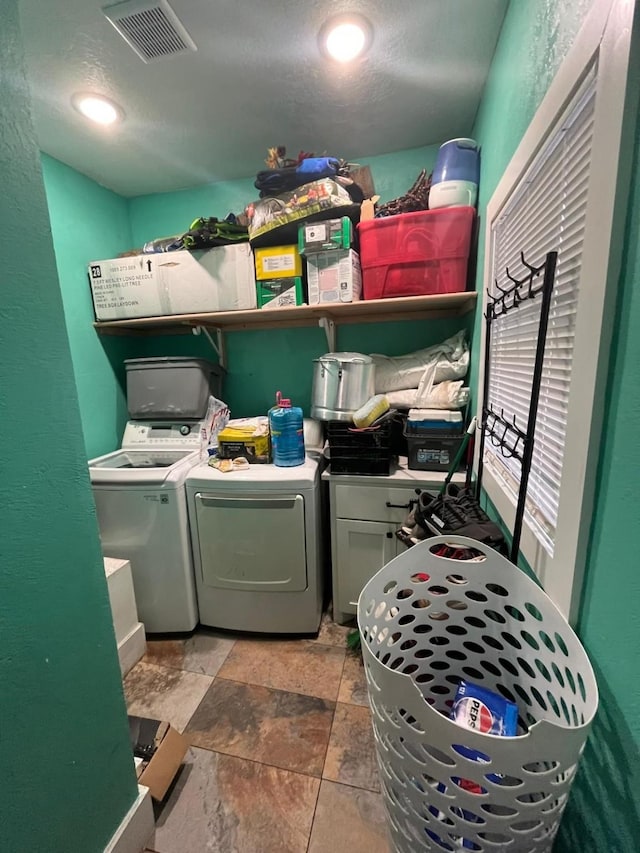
x=378, y=503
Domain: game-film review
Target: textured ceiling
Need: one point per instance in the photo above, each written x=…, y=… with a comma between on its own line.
x=257, y=79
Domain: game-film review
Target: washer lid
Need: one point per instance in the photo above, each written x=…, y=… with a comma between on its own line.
x=150, y=466
x=256, y=477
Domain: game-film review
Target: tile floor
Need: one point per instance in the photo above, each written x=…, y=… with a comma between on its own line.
x=281, y=757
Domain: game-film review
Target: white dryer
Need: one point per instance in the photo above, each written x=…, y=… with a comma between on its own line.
x=257, y=547
x=142, y=515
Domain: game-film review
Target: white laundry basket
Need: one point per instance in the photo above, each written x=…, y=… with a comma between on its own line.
x=426, y=622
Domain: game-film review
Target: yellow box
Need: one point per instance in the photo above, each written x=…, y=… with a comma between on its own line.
x=245, y=438
x=278, y=262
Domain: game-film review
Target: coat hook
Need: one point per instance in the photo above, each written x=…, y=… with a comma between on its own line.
x=534, y=270
x=509, y=276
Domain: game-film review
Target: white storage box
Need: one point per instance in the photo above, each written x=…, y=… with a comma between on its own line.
x=128, y=630
x=334, y=277
x=220, y=279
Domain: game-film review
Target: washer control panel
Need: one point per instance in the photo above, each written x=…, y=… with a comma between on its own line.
x=162, y=434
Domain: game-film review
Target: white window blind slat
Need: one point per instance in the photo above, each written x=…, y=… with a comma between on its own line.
x=546, y=212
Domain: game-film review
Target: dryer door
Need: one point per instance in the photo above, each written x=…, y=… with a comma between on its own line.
x=252, y=543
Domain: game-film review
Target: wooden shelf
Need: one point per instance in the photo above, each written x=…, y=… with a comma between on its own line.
x=372, y=311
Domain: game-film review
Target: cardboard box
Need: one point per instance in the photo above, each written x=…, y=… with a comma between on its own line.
x=326, y=236
x=278, y=262
x=246, y=437
x=364, y=179
x=169, y=749
x=220, y=279
x=334, y=277
x=279, y=292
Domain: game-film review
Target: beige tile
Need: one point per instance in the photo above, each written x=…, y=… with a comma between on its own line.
x=299, y=666
x=351, y=757
x=204, y=652
x=332, y=634
x=288, y=730
x=349, y=819
x=353, y=684
x=222, y=804
x=164, y=693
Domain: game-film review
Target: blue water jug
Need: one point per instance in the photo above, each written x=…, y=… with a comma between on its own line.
x=287, y=433
x=455, y=177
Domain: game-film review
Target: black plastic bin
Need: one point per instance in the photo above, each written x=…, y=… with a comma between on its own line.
x=433, y=451
x=359, y=451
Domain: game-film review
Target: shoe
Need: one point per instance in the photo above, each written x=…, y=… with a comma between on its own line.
x=457, y=512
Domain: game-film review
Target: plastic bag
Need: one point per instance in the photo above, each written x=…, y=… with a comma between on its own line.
x=446, y=395
x=215, y=420
x=310, y=199
x=424, y=368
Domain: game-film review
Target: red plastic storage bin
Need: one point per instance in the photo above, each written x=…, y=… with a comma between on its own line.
x=416, y=253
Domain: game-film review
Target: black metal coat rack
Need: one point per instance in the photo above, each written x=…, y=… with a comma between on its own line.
x=513, y=439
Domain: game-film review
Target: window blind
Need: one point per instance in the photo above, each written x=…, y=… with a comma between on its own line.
x=546, y=211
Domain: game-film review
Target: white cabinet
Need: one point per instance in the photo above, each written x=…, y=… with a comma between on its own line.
x=362, y=547
x=365, y=514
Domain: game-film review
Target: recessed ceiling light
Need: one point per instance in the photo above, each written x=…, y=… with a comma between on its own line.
x=346, y=37
x=97, y=108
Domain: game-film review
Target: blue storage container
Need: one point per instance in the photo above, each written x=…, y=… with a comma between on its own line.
x=287, y=433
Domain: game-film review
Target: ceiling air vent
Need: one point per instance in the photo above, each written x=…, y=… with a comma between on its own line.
x=150, y=27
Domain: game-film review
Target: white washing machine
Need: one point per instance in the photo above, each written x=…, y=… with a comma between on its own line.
x=257, y=547
x=142, y=515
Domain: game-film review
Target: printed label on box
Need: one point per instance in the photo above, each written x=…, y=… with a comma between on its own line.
x=441, y=457
x=315, y=233
x=279, y=263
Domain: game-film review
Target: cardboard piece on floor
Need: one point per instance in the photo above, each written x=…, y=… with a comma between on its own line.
x=158, y=773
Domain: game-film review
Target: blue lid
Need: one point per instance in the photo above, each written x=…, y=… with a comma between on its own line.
x=458, y=160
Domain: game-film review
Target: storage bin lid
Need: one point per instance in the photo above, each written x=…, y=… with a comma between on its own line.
x=346, y=357
x=168, y=361
x=449, y=415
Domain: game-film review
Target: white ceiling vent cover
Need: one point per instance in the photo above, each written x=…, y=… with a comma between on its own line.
x=150, y=27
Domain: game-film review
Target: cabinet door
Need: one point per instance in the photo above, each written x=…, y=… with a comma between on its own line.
x=362, y=549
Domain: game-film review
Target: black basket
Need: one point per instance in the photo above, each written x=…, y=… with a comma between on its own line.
x=359, y=451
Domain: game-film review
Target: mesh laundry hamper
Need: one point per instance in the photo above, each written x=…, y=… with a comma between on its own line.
x=426, y=622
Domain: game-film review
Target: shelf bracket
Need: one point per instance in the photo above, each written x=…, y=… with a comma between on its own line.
x=330, y=331
x=218, y=344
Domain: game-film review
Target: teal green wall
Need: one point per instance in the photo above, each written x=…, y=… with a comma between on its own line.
x=65, y=761
x=262, y=362
x=604, y=810
x=606, y=805
x=89, y=222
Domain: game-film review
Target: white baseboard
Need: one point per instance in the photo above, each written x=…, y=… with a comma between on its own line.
x=132, y=648
x=136, y=828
